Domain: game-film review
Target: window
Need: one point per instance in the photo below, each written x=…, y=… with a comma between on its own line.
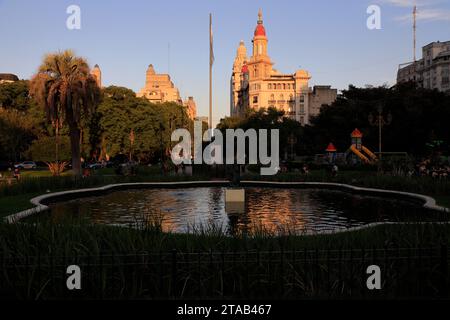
x=269, y=86
x=284, y=86
x=302, y=99
x=279, y=86
x=255, y=99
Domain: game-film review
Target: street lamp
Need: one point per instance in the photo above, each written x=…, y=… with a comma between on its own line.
x=292, y=140
x=380, y=121
x=132, y=138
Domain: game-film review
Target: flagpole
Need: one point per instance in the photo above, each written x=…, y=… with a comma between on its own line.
x=210, y=70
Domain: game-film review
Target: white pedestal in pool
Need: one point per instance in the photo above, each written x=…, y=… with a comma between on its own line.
x=235, y=200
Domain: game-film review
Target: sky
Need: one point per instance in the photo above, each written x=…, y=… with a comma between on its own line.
x=329, y=38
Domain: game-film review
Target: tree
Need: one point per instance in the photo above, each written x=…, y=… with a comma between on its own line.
x=270, y=118
x=16, y=133
x=43, y=149
x=417, y=114
x=64, y=87
x=15, y=95
x=121, y=112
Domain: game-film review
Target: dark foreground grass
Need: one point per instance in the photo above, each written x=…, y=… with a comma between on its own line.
x=149, y=264
x=69, y=238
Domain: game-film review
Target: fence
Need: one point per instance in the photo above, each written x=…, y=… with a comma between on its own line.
x=405, y=273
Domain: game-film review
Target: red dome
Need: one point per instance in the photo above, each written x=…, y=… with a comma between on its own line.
x=260, y=30
x=356, y=134
x=244, y=69
x=331, y=148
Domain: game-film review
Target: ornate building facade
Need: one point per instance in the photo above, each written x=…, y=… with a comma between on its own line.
x=159, y=88
x=256, y=84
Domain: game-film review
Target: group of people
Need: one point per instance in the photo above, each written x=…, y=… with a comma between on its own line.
x=425, y=168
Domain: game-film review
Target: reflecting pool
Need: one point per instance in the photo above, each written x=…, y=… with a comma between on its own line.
x=278, y=210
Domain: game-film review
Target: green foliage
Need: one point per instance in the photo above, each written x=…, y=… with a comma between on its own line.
x=43, y=149
x=121, y=111
x=16, y=133
x=418, y=116
x=15, y=95
x=289, y=129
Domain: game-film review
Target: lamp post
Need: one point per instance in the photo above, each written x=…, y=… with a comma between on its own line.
x=292, y=140
x=132, y=137
x=380, y=121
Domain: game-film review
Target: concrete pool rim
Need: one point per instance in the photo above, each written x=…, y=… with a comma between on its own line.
x=40, y=202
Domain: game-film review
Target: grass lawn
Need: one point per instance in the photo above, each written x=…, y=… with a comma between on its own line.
x=13, y=204
x=443, y=201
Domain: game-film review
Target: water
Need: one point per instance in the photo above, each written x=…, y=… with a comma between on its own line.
x=270, y=209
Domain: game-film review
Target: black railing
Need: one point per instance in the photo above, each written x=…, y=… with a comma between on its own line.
x=405, y=273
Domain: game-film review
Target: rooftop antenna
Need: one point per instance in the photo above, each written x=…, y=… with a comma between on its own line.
x=414, y=31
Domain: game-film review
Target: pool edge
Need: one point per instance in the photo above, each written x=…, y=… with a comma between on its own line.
x=427, y=201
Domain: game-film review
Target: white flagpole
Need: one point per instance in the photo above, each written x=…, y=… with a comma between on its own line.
x=211, y=61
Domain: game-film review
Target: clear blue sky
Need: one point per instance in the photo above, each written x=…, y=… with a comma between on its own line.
x=329, y=38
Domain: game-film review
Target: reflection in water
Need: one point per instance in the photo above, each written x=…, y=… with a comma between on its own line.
x=273, y=210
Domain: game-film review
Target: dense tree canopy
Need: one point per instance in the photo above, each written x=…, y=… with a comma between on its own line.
x=419, y=116
x=419, y=124
x=121, y=113
x=15, y=95
x=290, y=130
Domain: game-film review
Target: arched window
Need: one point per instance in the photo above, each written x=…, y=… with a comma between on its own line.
x=272, y=97
x=279, y=86
x=269, y=86
x=281, y=97
x=284, y=86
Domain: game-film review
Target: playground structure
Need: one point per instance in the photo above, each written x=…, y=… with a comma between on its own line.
x=360, y=150
x=357, y=149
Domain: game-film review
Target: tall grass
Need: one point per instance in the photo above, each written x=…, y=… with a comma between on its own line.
x=147, y=263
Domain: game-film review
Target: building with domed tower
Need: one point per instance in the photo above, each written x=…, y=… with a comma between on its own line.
x=256, y=84
x=159, y=88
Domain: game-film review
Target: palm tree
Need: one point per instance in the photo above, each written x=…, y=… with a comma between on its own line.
x=67, y=91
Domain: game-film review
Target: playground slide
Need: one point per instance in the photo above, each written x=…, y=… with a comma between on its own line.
x=359, y=154
x=370, y=153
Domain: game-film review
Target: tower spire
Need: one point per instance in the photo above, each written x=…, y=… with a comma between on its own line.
x=260, y=21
